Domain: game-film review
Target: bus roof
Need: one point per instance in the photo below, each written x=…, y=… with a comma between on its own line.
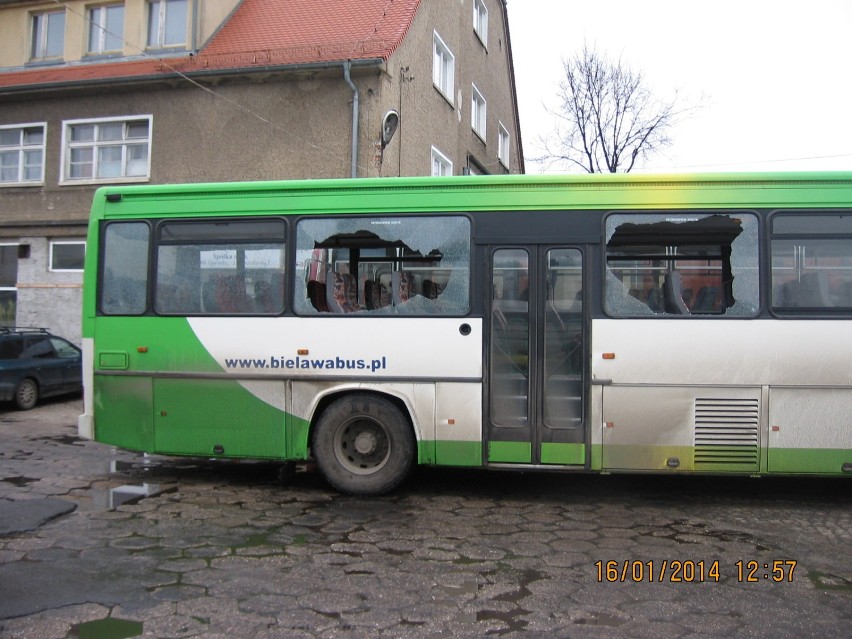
x=480, y=193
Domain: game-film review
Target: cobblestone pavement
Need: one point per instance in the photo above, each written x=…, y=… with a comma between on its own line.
x=228, y=550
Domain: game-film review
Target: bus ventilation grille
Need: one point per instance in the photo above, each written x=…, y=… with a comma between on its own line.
x=726, y=434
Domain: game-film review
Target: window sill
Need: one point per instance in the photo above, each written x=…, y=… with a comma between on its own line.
x=105, y=181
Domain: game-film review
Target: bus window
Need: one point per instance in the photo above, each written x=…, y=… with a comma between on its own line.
x=681, y=264
x=125, y=268
x=811, y=273
x=220, y=268
x=378, y=265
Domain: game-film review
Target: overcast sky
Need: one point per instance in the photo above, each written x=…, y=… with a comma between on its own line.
x=773, y=77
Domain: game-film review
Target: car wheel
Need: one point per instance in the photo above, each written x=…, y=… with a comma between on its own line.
x=364, y=445
x=26, y=394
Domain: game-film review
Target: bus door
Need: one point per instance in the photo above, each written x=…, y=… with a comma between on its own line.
x=535, y=392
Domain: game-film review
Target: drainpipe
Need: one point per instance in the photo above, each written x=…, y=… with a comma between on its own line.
x=195, y=19
x=355, y=105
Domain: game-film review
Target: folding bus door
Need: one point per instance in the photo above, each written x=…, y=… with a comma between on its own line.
x=535, y=395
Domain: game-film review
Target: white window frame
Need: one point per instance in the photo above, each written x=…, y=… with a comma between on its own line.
x=160, y=8
x=124, y=143
x=54, y=243
x=22, y=149
x=478, y=113
x=443, y=68
x=504, y=145
x=98, y=32
x=480, y=21
x=444, y=164
x=40, y=35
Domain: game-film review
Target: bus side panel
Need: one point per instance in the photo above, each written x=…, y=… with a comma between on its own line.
x=217, y=417
x=124, y=412
x=646, y=427
x=809, y=430
x=682, y=428
x=458, y=424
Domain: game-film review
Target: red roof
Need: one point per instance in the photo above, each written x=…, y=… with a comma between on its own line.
x=263, y=33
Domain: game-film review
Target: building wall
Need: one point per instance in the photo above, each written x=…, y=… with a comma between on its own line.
x=16, y=27
x=48, y=299
x=427, y=118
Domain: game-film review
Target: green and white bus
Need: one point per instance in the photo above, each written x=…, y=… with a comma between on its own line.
x=618, y=323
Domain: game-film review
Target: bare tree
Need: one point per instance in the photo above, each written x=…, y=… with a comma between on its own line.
x=608, y=117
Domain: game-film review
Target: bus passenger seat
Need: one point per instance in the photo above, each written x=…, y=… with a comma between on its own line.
x=430, y=289
x=673, y=295
x=705, y=301
x=653, y=299
x=263, y=302
x=340, y=294
x=231, y=295
x=371, y=295
x=208, y=296
x=317, y=296
x=375, y=295
x=403, y=287
x=814, y=290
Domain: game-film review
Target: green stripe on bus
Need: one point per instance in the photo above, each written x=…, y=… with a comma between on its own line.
x=510, y=452
x=827, y=461
x=456, y=453
x=568, y=454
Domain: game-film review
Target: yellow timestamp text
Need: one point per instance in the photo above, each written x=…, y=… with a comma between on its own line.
x=691, y=571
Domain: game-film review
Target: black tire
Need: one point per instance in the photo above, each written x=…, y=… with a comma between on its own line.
x=26, y=394
x=364, y=445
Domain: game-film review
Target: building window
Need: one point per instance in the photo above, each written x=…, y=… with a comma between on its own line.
x=48, y=35
x=441, y=164
x=106, y=150
x=67, y=256
x=504, y=145
x=480, y=20
x=478, y=113
x=443, y=68
x=106, y=28
x=22, y=154
x=167, y=23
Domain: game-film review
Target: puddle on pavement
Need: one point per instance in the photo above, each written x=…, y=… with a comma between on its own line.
x=830, y=582
x=600, y=619
x=684, y=532
x=109, y=628
x=70, y=440
x=19, y=481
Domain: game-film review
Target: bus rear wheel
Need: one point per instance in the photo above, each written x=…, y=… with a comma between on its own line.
x=364, y=445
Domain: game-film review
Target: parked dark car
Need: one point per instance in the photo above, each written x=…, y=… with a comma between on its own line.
x=35, y=364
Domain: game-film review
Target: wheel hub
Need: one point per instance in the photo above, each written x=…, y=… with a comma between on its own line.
x=365, y=443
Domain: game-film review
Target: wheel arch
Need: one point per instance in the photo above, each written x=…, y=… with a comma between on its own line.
x=334, y=394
